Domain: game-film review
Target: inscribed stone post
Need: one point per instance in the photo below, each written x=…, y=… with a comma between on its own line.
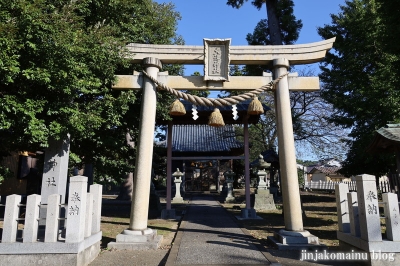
x=76, y=214
x=392, y=216
x=353, y=213
x=367, y=196
x=341, y=191
x=55, y=171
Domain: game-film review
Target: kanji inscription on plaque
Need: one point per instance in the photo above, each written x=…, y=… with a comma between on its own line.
x=216, y=59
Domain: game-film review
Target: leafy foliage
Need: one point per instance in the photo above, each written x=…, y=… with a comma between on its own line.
x=359, y=78
x=58, y=61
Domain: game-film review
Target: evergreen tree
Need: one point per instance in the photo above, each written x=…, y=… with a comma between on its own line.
x=360, y=80
x=311, y=130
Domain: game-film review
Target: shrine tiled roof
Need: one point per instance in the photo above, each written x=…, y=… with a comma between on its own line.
x=204, y=138
x=387, y=139
x=326, y=169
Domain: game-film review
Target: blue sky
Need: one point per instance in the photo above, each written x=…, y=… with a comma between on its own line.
x=214, y=19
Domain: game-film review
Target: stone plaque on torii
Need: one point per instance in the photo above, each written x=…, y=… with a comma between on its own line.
x=217, y=55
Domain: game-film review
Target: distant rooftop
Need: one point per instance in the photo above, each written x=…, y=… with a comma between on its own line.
x=325, y=169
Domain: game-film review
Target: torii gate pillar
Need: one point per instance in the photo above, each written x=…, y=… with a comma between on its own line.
x=287, y=156
x=138, y=231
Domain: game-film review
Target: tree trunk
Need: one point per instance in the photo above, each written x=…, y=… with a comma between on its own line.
x=126, y=189
x=273, y=22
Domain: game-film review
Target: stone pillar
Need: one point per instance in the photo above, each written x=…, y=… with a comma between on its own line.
x=392, y=216
x=31, y=219
x=55, y=171
x=89, y=215
x=342, y=207
x=138, y=236
x=368, y=208
x=97, y=192
x=10, y=224
x=76, y=213
x=353, y=213
x=52, y=216
x=144, y=155
x=287, y=157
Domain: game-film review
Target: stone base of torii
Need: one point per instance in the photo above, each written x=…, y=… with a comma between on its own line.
x=217, y=56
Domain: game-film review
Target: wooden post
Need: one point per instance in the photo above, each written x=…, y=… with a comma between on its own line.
x=246, y=163
x=169, y=164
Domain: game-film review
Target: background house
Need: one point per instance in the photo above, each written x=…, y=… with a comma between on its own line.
x=326, y=170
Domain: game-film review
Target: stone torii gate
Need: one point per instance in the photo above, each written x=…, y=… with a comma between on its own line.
x=217, y=55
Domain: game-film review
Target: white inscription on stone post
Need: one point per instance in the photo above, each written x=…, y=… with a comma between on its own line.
x=370, y=225
x=55, y=170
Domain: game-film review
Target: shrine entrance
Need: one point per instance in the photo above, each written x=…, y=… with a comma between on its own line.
x=217, y=55
x=201, y=176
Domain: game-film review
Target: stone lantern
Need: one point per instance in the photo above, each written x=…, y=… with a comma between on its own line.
x=262, y=174
x=229, y=183
x=177, y=180
x=263, y=199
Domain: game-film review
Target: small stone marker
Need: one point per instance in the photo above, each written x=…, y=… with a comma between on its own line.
x=55, y=170
x=392, y=216
x=353, y=213
x=341, y=191
x=76, y=212
x=367, y=196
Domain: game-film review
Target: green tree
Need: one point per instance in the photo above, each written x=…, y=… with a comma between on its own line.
x=312, y=131
x=58, y=61
x=280, y=27
x=359, y=78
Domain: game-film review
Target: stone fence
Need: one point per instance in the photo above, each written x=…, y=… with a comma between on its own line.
x=384, y=186
x=359, y=220
x=52, y=233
